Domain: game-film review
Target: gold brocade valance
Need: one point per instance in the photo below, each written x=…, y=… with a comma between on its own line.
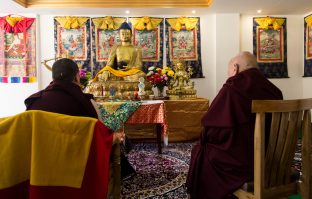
x=177, y=23
x=13, y=20
x=108, y=23
x=71, y=22
x=268, y=22
x=117, y=73
x=308, y=20
x=147, y=23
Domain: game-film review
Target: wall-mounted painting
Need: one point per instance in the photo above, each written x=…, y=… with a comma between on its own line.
x=269, y=46
x=105, y=35
x=72, y=39
x=308, y=46
x=183, y=42
x=147, y=33
x=17, y=49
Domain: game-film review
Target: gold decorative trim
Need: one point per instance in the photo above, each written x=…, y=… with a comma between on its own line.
x=308, y=20
x=112, y=3
x=270, y=22
x=146, y=22
x=21, y=2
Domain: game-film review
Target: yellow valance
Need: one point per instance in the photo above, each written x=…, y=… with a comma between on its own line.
x=308, y=20
x=268, y=22
x=13, y=20
x=177, y=23
x=108, y=23
x=71, y=22
x=117, y=73
x=147, y=23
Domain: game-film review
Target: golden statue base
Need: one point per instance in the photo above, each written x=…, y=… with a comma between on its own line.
x=183, y=94
x=117, y=89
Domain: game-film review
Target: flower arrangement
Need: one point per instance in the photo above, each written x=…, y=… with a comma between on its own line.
x=85, y=77
x=159, y=77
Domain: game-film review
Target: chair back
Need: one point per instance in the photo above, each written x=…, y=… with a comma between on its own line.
x=273, y=160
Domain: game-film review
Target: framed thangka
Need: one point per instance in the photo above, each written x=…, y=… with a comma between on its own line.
x=269, y=43
x=17, y=49
x=308, y=46
x=147, y=33
x=105, y=35
x=183, y=42
x=72, y=39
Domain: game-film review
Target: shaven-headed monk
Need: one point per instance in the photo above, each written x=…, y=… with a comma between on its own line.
x=223, y=160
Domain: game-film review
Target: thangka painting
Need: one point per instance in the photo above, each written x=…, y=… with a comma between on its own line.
x=105, y=35
x=308, y=46
x=17, y=49
x=183, y=42
x=147, y=33
x=72, y=39
x=269, y=42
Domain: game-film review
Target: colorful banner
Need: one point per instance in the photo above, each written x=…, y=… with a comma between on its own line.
x=183, y=43
x=147, y=33
x=269, y=43
x=17, y=49
x=308, y=46
x=72, y=39
x=105, y=35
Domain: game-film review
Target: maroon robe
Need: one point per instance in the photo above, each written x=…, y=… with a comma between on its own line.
x=62, y=97
x=223, y=160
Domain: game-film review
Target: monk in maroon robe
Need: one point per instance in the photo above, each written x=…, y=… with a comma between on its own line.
x=223, y=160
x=63, y=95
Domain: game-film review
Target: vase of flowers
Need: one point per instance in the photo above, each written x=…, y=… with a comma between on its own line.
x=85, y=77
x=159, y=78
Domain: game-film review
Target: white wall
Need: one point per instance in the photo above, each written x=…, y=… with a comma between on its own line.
x=227, y=44
x=295, y=86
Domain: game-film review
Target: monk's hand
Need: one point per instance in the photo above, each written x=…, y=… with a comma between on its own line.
x=118, y=137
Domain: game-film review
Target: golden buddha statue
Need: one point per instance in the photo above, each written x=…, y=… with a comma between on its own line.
x=181, y=87
x=123, y=69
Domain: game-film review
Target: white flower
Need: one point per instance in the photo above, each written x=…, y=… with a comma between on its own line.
x=150, y=73
x=151, y=68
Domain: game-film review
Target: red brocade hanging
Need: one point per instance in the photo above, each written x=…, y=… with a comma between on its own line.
x=17, y=49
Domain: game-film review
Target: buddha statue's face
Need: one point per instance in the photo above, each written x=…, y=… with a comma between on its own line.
x=125, y=35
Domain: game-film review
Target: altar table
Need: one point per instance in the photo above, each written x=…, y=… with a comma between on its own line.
x=183, y=121
x=149, y=112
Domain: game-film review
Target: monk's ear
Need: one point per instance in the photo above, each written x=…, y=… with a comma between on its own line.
x=236, y=69
x=77, y=78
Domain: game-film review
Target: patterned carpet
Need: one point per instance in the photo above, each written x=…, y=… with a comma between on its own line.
x=163, y=176
x=158, y=176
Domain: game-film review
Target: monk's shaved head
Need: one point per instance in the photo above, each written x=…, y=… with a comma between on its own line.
x=243, y=61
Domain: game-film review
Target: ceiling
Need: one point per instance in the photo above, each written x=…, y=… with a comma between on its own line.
x=145, y=7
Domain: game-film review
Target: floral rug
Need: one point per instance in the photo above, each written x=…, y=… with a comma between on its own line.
x=158, y=175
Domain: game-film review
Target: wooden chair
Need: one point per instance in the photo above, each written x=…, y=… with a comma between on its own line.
x=272, y=167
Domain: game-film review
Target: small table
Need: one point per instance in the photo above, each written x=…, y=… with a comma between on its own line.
x=183, y=118
x=149, y=112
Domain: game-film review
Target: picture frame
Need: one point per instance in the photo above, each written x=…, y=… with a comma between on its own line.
x=183, y=45
x=270, y=46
